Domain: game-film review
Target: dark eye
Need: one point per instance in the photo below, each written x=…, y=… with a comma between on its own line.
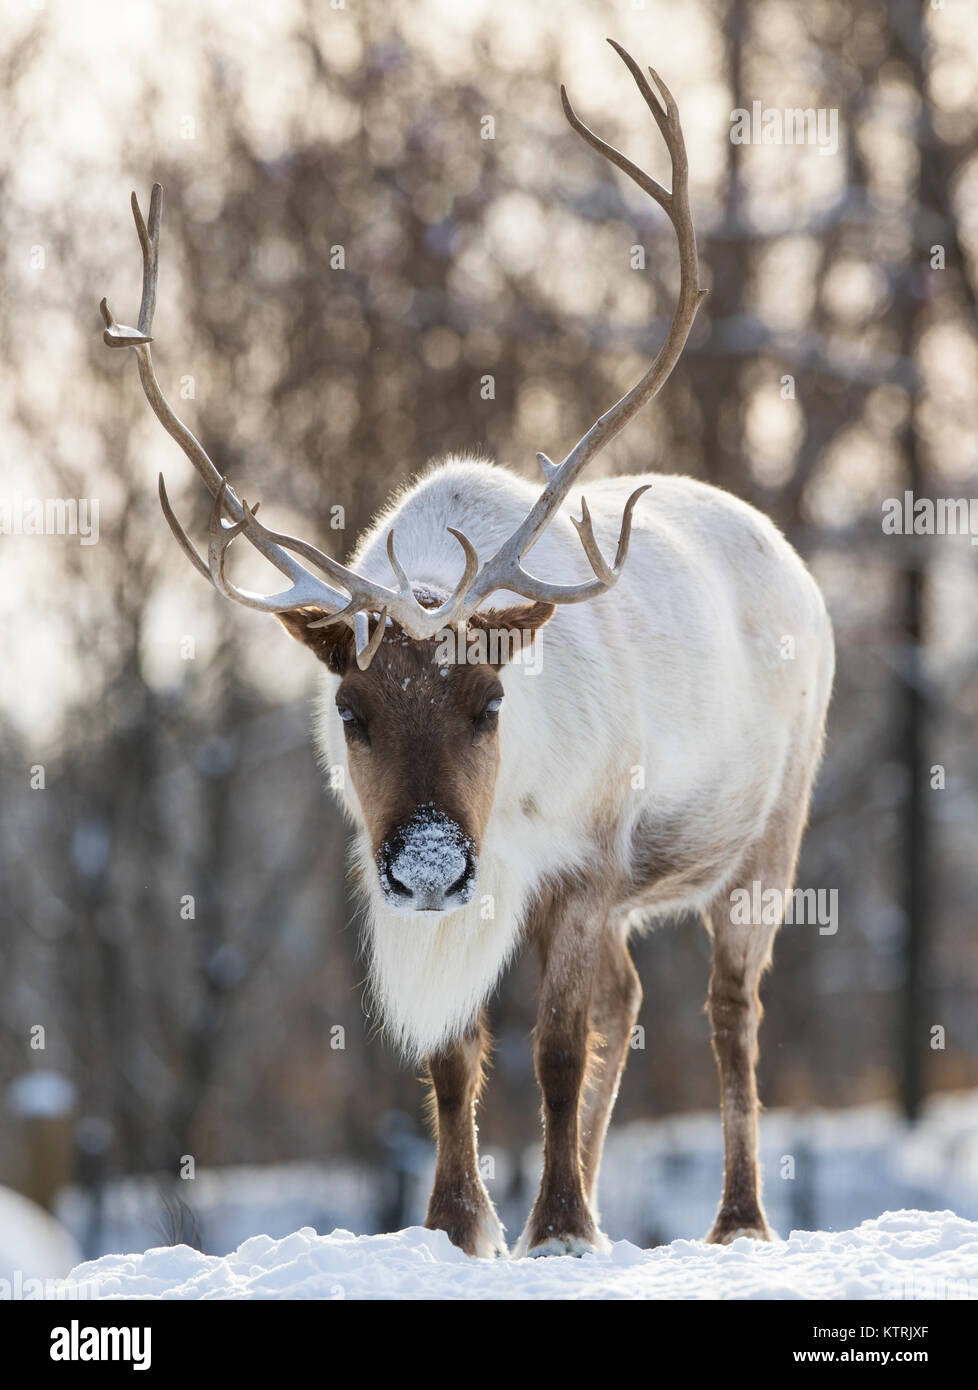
x=486, y=719
x=353, y=724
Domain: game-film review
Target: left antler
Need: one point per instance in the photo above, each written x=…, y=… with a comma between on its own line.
x=354, y=596
x=306, y=589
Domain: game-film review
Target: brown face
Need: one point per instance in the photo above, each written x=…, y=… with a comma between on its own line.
x=422, y=738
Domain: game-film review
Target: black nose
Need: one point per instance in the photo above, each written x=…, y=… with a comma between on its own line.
x=388, y=856
x=427, y=865
x=465, y=877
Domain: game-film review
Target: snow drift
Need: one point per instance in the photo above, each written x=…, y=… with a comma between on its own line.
x=899, y=1255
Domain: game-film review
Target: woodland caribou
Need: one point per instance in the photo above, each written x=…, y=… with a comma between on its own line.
x=647, y=754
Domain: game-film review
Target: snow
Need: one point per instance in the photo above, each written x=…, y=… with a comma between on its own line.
x=899, y=1255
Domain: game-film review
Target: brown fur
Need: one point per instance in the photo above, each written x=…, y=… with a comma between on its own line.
x=421, y=744
x=458, y=1204
x=741, y=954
x=563, y=928
x=615, y=1001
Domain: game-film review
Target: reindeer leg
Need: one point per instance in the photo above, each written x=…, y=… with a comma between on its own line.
x=739, y=958
x=459, y=1202
x=615, y=1002
x=741, y=954
x=562, y=1222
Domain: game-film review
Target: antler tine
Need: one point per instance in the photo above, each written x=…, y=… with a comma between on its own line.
x=585, y=529
x=149, y=241
x=625, y=534
x=471, y=565
x=665, y=110
x=547, y=465
x=403, y=582
x=366, y=645
x=645, y=181
x=345, y=615
x=183, y=540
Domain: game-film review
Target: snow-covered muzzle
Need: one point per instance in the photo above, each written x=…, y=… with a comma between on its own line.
x=427, y=864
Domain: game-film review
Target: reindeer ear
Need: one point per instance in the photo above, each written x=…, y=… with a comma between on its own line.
x=511, y=630
x=333, y=644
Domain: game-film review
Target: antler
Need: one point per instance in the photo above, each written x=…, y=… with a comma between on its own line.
x=504, y=569
x=351, y=597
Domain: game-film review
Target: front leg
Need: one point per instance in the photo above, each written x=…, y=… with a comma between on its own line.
x=562, y=1221
x=459, y=1203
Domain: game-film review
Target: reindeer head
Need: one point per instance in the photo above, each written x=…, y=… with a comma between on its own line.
x=422, y=735
x=421, y=725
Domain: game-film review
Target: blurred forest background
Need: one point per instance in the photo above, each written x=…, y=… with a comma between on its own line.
x=174, y=730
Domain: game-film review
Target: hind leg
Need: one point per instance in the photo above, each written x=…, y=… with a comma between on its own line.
x=615, y=1001
x=739, y=959
x=741, y=953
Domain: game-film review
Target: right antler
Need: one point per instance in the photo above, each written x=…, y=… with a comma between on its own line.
x=351, y=597
x=505, y=570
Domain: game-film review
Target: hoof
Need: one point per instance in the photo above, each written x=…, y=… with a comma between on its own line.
x=484, y=1237
x=561, y=1245
x=724, y=1235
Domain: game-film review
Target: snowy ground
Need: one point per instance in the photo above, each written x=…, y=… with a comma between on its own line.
x=900, y=1255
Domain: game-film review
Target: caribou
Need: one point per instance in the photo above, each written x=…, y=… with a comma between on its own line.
x=552, y=757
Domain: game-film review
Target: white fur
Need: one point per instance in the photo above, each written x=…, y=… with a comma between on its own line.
x=560, y=1245
x=490, y=1235
x=678, y=670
